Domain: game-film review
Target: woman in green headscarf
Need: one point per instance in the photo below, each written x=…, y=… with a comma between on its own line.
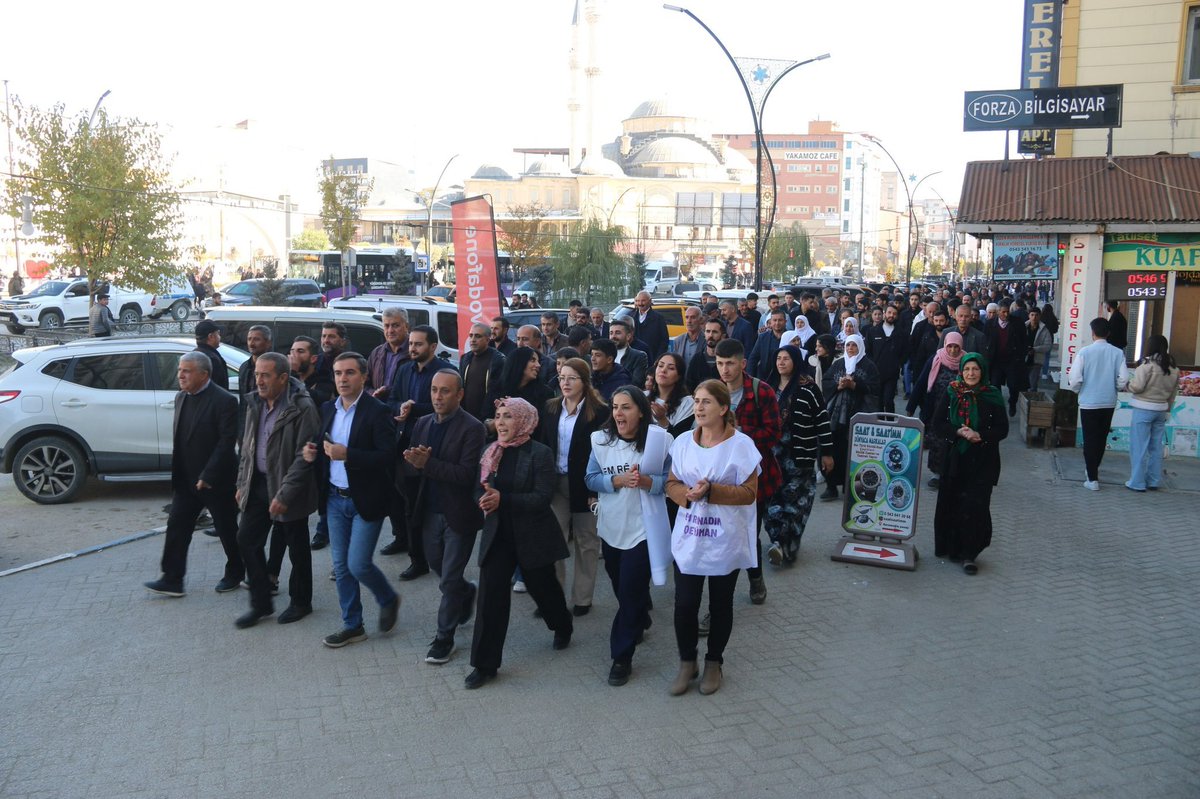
x=970, y=418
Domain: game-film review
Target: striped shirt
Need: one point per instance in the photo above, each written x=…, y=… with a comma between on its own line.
x=809, y=425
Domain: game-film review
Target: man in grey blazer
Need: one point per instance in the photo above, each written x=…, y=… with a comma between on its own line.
x=443, y=458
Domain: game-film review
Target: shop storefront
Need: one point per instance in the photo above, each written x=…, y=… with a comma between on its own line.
x=1131, y=230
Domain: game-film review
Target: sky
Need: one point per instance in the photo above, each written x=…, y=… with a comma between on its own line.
x=417, y=83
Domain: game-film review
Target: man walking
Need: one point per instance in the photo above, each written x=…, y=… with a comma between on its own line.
x=634, y=361
x=354, y=478
x=1096, y=376
x=443, y=460
x=761, y=363
x=691, y=340
x=1007, y=348
x=886, y=345
x=1041, y=340
x=480, y=366
x=302, y=358
x=382, y=364
x=276, y=486
x=736, y=327
x=650, y=327
x=203, y=466
x=703, y=365
x=208, y=338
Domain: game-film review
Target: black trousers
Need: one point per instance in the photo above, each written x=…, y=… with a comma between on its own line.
x=761, y=514
x=887, y=394
x=186, y=505
x=494, y=605
x=404, y=526
x=689, y=589
x=1096, y=423
x=252, y=536
x=629, y=571
x=841, y=444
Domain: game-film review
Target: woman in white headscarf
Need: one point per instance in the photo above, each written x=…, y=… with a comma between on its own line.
x=853, y=381
x=803, y=336
x=849, y=328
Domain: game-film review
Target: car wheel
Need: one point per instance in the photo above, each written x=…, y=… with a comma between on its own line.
x=180, y=311
x=16, y=330
x=49, y=470
x=130, y=316
x=52, y=320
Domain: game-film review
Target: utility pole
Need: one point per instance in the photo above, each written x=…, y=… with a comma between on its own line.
x=11, y=170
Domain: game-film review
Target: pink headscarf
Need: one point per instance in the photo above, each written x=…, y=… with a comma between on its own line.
x=941, y=358
x=525, y=417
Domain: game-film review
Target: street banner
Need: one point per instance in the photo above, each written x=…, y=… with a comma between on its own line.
x=475, y=264
x=1025, y=256
x=883, y=481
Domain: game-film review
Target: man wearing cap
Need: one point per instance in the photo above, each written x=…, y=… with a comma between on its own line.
x=100, y=319
x=208, y=338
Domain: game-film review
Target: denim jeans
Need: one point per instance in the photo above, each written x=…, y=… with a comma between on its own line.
x=1146, y=448
x=352, y=542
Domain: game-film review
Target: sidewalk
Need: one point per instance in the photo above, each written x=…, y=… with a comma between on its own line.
x=1066, y=668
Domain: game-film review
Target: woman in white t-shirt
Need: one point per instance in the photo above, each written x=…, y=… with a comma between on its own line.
x=714, y=480
x=627, y=497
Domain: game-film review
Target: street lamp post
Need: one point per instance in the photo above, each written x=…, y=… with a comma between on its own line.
x=909, y=194
x=756, y=114
x=429, y=219
x=950, y=231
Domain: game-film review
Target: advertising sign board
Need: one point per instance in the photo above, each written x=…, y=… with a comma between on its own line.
x=1066, y=107
x=1025, y=256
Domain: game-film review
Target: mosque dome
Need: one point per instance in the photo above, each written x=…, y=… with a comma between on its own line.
x=659, y=107
x=546, y=167
x=491, y=172
x=594, y=165
x=674, y=150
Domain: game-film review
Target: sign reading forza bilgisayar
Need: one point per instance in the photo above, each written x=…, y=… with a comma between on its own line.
x=1065, y=107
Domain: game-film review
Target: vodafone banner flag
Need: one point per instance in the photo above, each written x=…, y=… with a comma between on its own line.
x=475, y=265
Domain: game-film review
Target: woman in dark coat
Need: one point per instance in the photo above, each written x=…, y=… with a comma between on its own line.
x=970, y=418
x=518, y=477
x=520, y=378
x=854, y=383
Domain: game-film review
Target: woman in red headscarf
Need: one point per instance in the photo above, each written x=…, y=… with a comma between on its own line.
x=935, y=378
x=517, y=477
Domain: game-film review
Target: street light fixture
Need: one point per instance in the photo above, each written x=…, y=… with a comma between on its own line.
x=756, y=113
x=909, y=194
x=429, y=229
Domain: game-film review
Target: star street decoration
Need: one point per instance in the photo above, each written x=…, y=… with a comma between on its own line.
x=760, y=75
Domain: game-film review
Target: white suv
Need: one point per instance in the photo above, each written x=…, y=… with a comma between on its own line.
x=102, y=406
x=65, y=302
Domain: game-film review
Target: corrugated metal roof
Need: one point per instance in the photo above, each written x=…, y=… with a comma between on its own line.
x=1157, y=189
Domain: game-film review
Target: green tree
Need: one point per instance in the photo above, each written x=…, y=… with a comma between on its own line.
x=402, y=277
x=526, y=237
x=269, y=290
x=635, y=274
x=310, y=240
x=587, y=265
x=100, y=195
x=341, y=197
x=787, y=254
x=729, y=272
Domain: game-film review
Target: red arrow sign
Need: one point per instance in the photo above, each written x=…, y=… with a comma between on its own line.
x=883, y=553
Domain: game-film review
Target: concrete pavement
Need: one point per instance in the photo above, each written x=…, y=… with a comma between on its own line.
x=1067, y=667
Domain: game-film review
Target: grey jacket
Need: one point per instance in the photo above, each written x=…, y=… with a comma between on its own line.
x=290, y=479
x=1040, y=343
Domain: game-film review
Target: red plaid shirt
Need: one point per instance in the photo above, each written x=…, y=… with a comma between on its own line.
x=758, y=417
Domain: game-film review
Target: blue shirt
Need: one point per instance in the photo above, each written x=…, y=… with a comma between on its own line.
x=343, y=418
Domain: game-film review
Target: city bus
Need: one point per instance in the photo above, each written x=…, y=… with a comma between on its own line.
x=375, y=267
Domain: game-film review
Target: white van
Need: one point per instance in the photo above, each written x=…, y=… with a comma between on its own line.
x=660, y=272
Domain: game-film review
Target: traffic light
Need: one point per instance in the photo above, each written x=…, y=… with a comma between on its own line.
x=1062, y=251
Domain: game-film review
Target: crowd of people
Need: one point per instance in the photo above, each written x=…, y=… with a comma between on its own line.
x=664, y=458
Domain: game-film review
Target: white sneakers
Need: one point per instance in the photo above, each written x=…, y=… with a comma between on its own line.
x=1091, y=485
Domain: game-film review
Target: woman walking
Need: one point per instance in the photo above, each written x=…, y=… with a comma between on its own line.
x=1154, y=385
x=520, y=379
x=670, y=403
x=806, y=437
x=854, y=382
x=970, y=418
x=714, y=480
x=627, y=471
x=517, y=477
x=566, y=428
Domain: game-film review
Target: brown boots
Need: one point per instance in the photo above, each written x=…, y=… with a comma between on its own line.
x=687, y=673
x=710, y=683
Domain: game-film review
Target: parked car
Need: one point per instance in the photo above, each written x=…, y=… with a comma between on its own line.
x=441, y=316
x=301, y=293
x=532, y=316
x=444, y=293
x=676, y=289
x=56, y=303
x=364, y=328
x=95, y=406
x=177, y=301
x=670, y=308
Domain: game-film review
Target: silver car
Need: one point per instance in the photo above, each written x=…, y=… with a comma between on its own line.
x=99, y=406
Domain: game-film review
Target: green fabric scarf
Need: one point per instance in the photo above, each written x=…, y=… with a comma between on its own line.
x=964, y=400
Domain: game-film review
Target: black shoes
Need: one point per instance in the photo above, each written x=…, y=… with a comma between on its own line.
x=619, y=673
x=294, y=613
x=343, y=637
x=969, y=567
x=934, y=482
x=395, y=548
x=758, y=590
x=319, y=541
x=581, y=610
x=252, y=618
x=388, y=614
x=562, y=640
x=830, y=493
x=775, y=555
x=440, y=651
x=469, y=606
x=228, y=584
x=478, y=678
x=165, y=588
x=414, y=571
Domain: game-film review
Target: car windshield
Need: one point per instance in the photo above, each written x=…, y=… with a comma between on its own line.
x=50, y=288
x=241, y=289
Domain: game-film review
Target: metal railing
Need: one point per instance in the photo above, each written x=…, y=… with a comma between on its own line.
x=38, y=337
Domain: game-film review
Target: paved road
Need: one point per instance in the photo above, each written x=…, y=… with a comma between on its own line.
x=1067, y=667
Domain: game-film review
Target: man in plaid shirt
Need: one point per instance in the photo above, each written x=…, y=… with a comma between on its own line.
x=757, y=411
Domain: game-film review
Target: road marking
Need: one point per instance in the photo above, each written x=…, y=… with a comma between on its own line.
x=90, y=550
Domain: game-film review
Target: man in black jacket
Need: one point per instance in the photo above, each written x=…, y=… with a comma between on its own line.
x=1007, y=347
x=203, y=467
x=443, y=462
x=208, y=338
x=887, y=346
x=650, y=327
x=480, y=366
x=354, y=478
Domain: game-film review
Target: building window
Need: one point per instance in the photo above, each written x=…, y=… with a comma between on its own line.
x=533, y=196
x=816, y=167
x=566, y=198
x=737, y=210
x=829, y=209
x=832, y=168
x=657, y=232
x=1191, y=52
x=845, y=225
x=848, y=164
x=831, y=189
x=845, y=205
x=720, y=234
x=845, y=184
x=693, y=208
x=670, y=232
